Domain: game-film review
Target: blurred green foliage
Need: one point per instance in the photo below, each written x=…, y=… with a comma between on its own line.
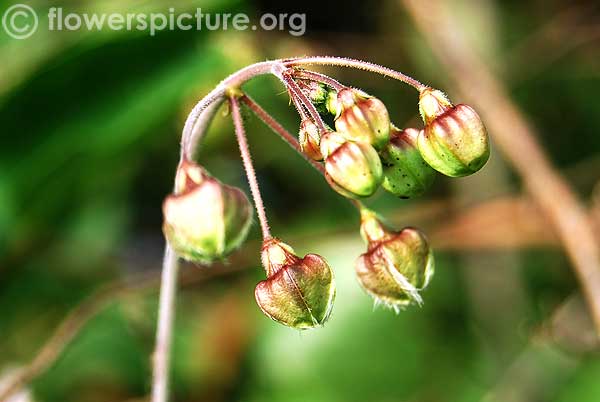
x=90, y=129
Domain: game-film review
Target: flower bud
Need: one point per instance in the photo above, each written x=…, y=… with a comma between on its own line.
x=205, y=219
x=310, y=139
x=405, y=173
x=319, y=94
x=331, y=103
x=396, y=266
x=298, y=292
x=454, y=141
x=353, y=168
x=362, y=118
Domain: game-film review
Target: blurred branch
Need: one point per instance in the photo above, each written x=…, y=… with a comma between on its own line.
x=561, y=34
x=73, y=322
x=501, y=223
x=514, y=136
x=541, y=367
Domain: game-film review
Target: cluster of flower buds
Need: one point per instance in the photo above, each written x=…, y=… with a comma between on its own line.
x=298, y=292
x=453, y=142
x=396, y=266
x=205, y=220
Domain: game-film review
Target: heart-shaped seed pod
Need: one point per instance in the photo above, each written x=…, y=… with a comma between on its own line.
x=205, y=220
x=362, y=118
x=396, y=266
x=405, y=173
x=309, y=139
x=298, y=292
x=454, y=140
x=352, y=168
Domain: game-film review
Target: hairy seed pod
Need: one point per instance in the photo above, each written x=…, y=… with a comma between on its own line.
x=362, y=118
x=298, y=292
x=310, y=140
x=205, y=220
x=352, y=168
x=454, y=140
x=405, y=173
x=396, y=266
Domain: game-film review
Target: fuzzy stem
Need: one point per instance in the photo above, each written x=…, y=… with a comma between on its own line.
x=199, y=129
x=299, y=108
x=318, y=77
x=287, y=137
x=279, y=129
x=358, y=64
x=296, y=91
x=190, y=136
x=193, y=131
x=164, y=331
x=247, y=159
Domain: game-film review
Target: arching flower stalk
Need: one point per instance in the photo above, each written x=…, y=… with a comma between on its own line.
x=206, y=220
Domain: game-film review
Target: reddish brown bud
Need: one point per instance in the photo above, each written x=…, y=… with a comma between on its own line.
x=396, y=266
x=310, y=139
x=298, y=292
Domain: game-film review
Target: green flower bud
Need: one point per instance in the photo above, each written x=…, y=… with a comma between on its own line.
x=331, y=103
x=362, y=118
x=352, y=168
x=405, y=173
x=298, y=292
x=205, y=220
x=310, y=139
x=396, y=266
x=319, y=94
x=454, y=141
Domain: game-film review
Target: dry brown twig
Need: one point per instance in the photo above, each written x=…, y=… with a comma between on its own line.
x=516, y=139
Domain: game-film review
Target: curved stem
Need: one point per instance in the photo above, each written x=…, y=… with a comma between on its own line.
x=164, y=331
x=190, y=137
x=247, y=159
x=192, y=133
x=299, y=108
x=358, y=64
x=279, y=129
x=199, y=129
x=318, y=77
x=287, y=137
x=296, y=91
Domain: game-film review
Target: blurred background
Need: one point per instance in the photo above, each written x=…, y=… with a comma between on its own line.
x=90, y=125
